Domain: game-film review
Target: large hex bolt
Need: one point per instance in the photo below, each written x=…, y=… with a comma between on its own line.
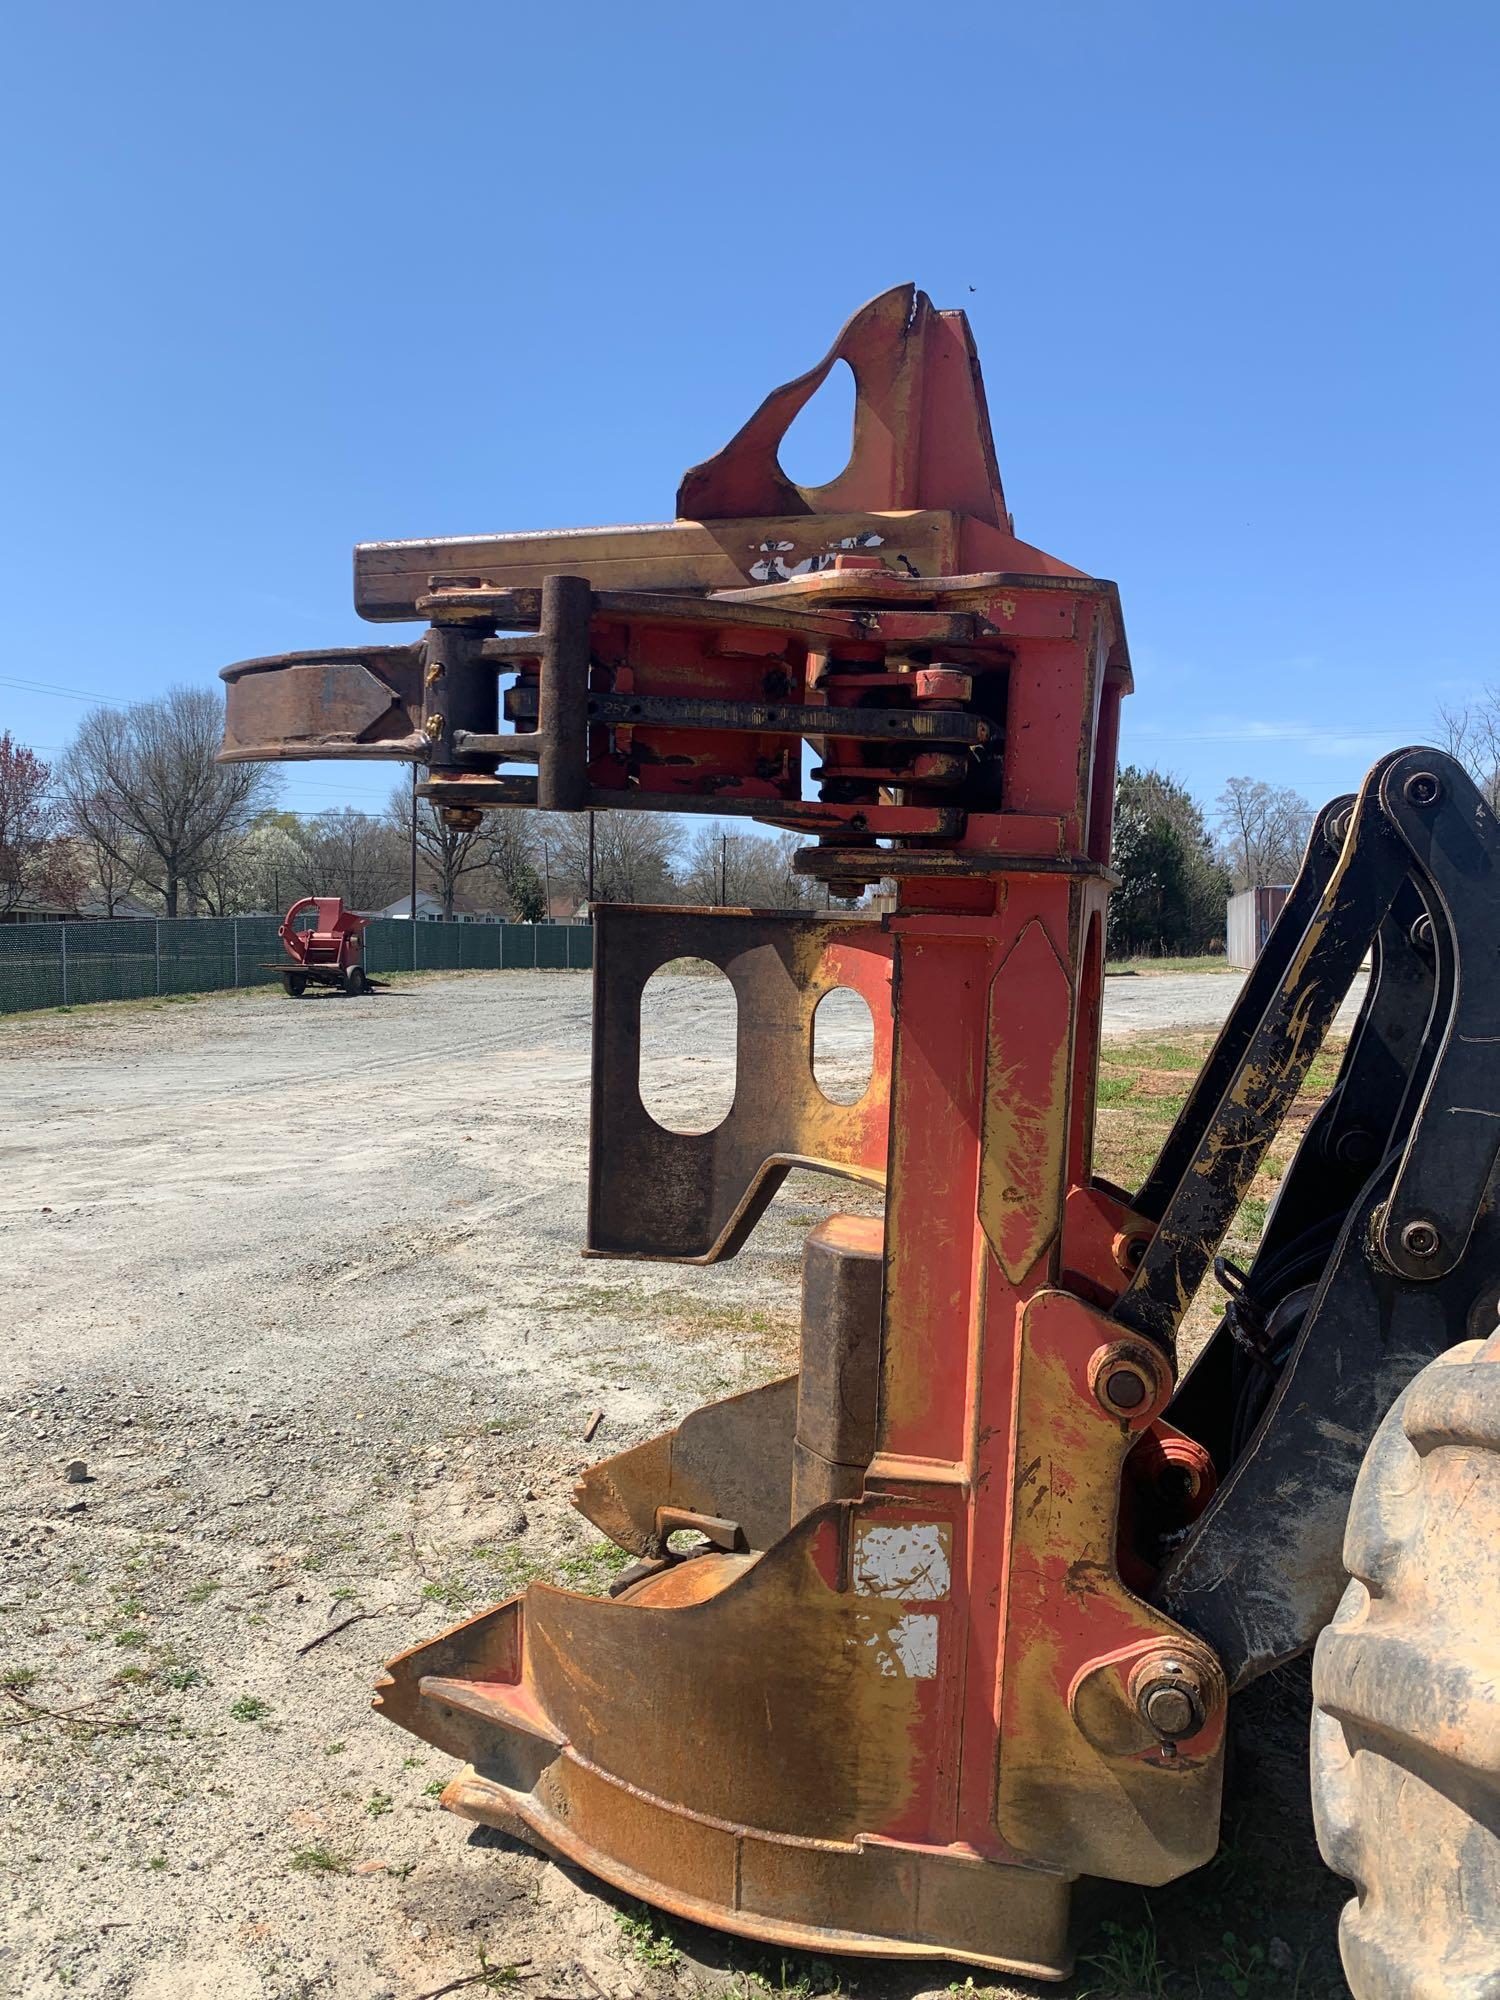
x=1170, y=1696
x=1129, y=1380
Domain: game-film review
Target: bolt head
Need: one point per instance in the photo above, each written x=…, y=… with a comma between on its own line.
x=1423, y=788
x=1170, y=1710
x=1420, y=1239
x=1124, y=1389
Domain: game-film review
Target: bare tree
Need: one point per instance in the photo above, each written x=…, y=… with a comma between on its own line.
x=114, y=876
x=742, y=870
x=513, y=859
x=353, y=855
x=446, y=854
x=273, y=865
x=1472, y=735
x=633, y=856
x=35, y=866
x=1263, y=830
x=141, y=783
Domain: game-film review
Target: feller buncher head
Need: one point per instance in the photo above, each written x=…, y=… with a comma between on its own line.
x=961, y=1610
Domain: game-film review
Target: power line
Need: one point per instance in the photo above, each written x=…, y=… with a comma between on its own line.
x=63, y=693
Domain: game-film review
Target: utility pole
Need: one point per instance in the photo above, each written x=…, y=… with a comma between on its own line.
x=547, y=882
x=413, y=911
x=723, y=868
x=591, y=867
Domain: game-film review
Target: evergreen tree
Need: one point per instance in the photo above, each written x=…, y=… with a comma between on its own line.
x=1172, y=890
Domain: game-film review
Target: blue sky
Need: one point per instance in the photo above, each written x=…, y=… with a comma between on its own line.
x=289, y=277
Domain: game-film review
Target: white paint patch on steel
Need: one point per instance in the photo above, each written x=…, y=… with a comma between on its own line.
x=914, y=1642
x=909, y=1561
x=905, y=1648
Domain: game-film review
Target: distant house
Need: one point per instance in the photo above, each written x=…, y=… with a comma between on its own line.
x=430, y=910
x=88, y=909
x=95, y=909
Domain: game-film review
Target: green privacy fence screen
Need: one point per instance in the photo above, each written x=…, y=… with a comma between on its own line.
x=71, y=964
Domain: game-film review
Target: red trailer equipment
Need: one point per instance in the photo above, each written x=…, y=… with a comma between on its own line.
x=326, y=949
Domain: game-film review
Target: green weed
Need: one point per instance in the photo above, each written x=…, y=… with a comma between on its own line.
x=1130, y=1962
x=320, y=1861
x=452, y=1593
x=650, y=1945
x=1240, y=1964
x=592, y=1570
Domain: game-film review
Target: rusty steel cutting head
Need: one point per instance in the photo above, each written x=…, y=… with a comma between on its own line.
x=896, y=1691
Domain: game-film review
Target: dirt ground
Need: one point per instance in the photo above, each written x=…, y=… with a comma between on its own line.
x=299, y=1285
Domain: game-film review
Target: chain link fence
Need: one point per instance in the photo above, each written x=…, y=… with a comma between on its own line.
x=125, y=958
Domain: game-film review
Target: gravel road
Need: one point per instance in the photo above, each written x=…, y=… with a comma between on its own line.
x=299, y=1284
x=1135, y=1002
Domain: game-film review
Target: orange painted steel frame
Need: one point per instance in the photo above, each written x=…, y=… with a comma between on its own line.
x=899, y=1716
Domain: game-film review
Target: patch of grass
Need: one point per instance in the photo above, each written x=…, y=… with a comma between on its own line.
x=334, y=1749
x=648, y=1939
x=1251, y=1219
x=1146, y=967
x=200, y=1593
x=19, y=1680
x=1129, y=1964
x=1143, y=1084
x=249, y=1708
x=318, y=1860
x=513, y=1570
x=132, y=1635
x=157, y=1862
x=591, y=1570
x=1240, y=1965
x=451, y=1592
x=817, y=1981
x=436, y=1788
x=378, y=1804
x=494, y=1978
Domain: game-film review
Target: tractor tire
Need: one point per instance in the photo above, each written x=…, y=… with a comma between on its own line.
x=355, y=981
x=295, y=983
x=1406, y=1694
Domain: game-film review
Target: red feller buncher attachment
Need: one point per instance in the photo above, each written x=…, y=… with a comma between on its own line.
x=326, y=948
x=964, y=1599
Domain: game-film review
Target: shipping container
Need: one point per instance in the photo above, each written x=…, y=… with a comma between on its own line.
x=1249, y=918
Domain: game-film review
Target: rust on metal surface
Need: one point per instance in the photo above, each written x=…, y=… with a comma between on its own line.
x=949, y=1617
x=696, y=1196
